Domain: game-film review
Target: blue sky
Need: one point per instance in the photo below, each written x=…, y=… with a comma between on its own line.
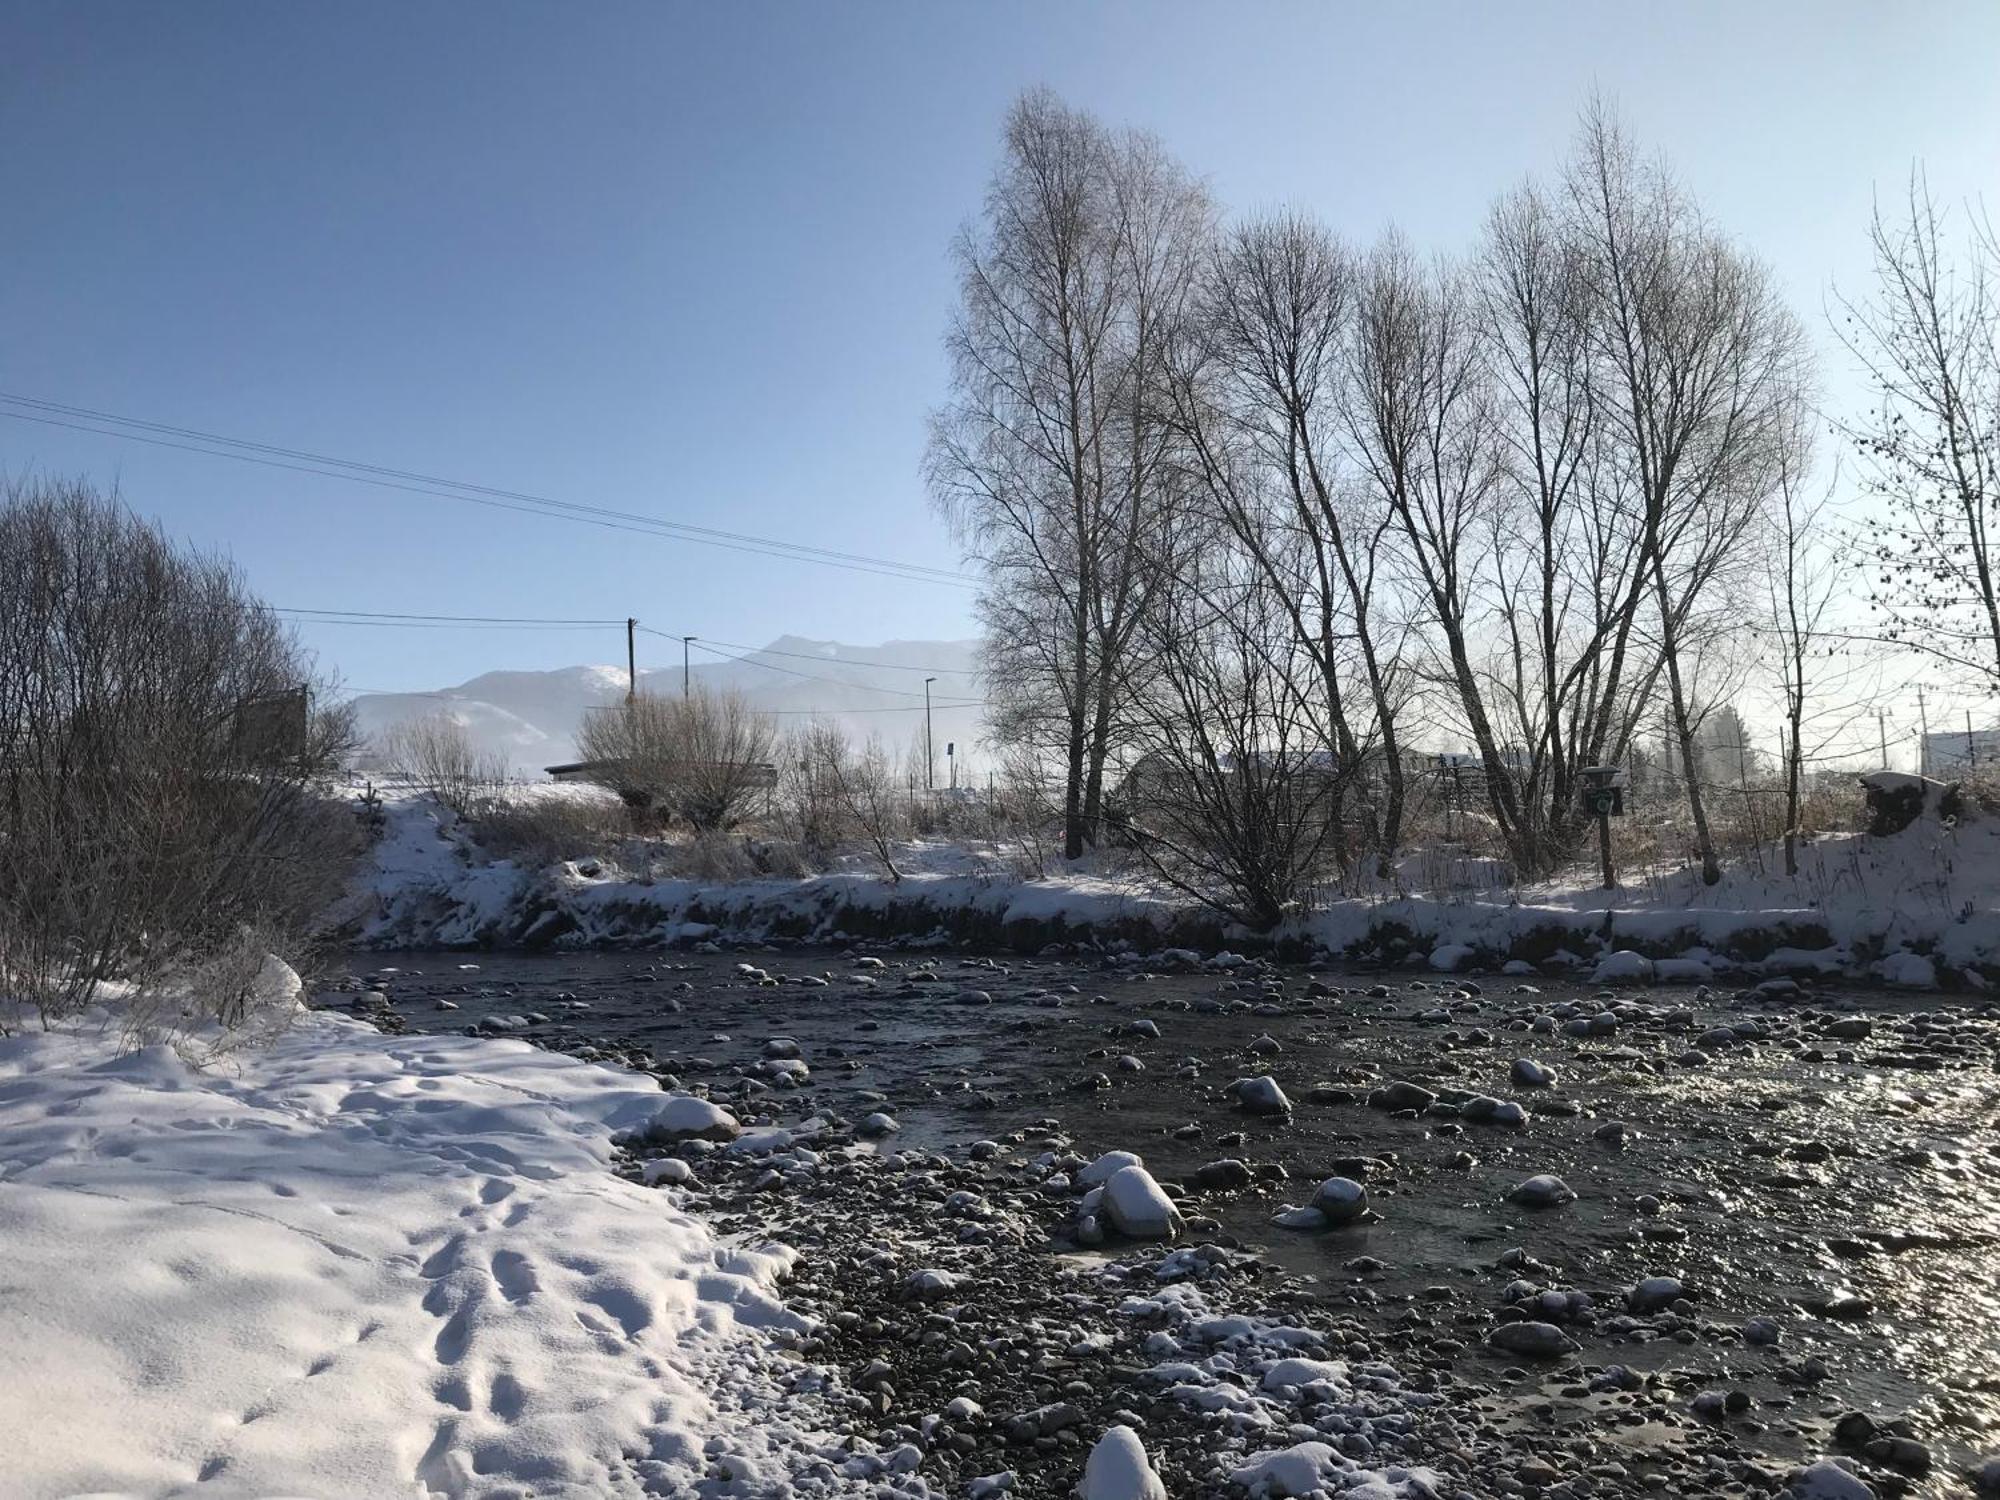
x=692, y=260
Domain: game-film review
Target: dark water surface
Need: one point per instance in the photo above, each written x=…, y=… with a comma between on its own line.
x=1790, y=1169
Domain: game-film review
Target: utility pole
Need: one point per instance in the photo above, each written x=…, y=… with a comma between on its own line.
x=1923, y=728
x=1882, y=727
x=1971, y=750
x=684, y=664
x=631, y=661
x=1743, y=781
x=930, y=755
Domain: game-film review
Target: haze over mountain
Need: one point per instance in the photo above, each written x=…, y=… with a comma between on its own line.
x=531, y=719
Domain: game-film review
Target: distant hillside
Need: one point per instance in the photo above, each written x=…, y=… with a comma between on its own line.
x=531, y=718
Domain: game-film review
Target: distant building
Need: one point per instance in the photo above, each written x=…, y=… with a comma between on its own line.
x=1956, y=752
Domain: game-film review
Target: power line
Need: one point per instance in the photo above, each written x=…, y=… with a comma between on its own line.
x=886, y=666
x=788, y=671
x=397, y=615
x=412, y=482
x=447, y=625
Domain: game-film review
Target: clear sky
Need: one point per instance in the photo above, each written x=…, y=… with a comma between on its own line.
x=691, y=260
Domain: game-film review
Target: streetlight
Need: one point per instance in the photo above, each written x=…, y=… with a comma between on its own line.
x=684, y=664
x=930, y=757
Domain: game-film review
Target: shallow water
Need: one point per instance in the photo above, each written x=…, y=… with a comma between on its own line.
x=1896, y=1199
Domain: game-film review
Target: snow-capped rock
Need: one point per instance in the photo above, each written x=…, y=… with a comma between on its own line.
x=1107, y=1166
x=1623, y=967
x=685, y=1117
x=1138, y=1207
x=1118, y=1469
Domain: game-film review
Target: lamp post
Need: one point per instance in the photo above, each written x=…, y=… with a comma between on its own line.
x=930, y=756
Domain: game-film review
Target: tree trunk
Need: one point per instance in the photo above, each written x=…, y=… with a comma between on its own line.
x=1711, y=869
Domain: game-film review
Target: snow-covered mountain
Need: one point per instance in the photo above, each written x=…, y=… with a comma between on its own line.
x=532, y=718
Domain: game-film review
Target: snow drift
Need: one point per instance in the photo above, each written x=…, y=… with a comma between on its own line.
x=355, y=1264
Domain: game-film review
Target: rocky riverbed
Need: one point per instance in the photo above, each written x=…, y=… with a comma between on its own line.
x=1448, y=1236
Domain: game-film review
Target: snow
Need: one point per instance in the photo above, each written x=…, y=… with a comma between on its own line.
x=1118, y=1469
x=1315, y=1468
x=1931, y=892
x=1623, y=967
x=1449, y=958
x=1908, y=971
x=354, y=1264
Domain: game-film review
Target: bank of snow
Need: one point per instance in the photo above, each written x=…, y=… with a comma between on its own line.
x=1910, y=909
x=351, y=1264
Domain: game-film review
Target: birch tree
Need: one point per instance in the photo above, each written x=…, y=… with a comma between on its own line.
x=1928, y=339
x=1049, y=460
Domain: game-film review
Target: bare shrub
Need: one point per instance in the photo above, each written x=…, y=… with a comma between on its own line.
x=810, y=810
x=162, y=775
x=704, y=758
x=868, y=793
x=1233, y=800
x=540, y=830
x=437, y=755
x=1027, y=812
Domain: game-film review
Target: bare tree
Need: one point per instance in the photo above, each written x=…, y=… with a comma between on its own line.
x=1564, y=585
x=1420, y=421
x=1929, y=341
x=1049, y=461
x=438, y=755
x=1256, y=391
x=1700, y=370
x=161, y=770
x=1802, y=580
x=702, y=757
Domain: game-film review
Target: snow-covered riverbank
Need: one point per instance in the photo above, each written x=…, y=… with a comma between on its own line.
x=348, y=1264
x=1917, y=909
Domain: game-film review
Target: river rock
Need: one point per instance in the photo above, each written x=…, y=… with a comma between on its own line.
x=1654, y=1294
x=1230, y=1172
x=1483, y=1110
x=1260, y=1095
x=1536, y=1340
x=1106, y=1167
x=1138, y=1207
x=1341, y=1200
x=1401, y=1095
x=1829, y=1479
x=1529, y=1074
x=1543, y=1191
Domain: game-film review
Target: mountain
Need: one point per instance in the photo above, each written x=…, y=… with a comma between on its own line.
x=531, y=719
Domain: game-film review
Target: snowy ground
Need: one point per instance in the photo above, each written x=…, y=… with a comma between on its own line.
x=357, y=1265
x=1914, y=909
